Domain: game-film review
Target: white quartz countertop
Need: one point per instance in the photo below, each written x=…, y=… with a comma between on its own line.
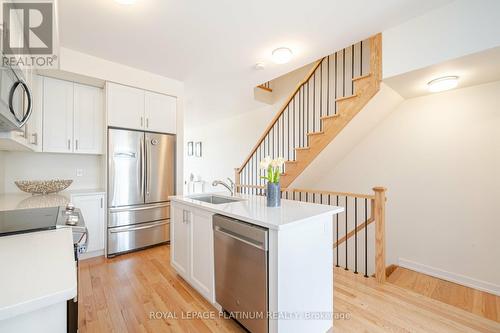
x=253, y=209
x=37, y=270
x=21, y=200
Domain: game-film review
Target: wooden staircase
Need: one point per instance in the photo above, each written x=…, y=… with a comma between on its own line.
x=315, y=113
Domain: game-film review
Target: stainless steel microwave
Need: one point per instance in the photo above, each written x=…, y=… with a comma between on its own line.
x=16, y=98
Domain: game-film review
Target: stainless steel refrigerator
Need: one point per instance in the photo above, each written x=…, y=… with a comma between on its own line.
x=141, y=176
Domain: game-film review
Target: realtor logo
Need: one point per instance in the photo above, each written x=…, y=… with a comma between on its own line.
x=27, y=37
x=27, y=28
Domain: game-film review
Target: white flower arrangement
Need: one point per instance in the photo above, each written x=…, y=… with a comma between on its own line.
x=273, y=168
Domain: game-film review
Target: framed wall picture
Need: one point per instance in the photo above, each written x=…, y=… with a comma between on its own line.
x=198, y=149
x=190, y=148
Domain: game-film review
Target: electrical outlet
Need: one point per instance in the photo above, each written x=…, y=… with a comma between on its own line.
x=79, y=172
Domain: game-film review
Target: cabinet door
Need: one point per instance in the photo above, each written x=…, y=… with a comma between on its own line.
x=57, y=116
x=125, y=106
x=88, y=120
x=160, y=112
x=202, y=254
x=92, y=207
x=179, y=240
x=34, y=124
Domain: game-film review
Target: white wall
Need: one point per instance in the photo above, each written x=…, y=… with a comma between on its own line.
x=228, y=141
x=439, y=157
x=41, y=166
x=460, y=28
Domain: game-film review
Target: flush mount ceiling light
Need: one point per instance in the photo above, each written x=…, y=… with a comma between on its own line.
x=442, y=83
x=126, y=2
x=282, y=55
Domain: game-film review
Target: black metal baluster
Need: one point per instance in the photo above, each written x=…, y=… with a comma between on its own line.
x=366, y=238
x=283, y=135
x=321, y=93
x=337, y=233
x=288, y=131
x=307, y=126
x=346, y=231
x=328, y=87
x=336, y=72
x=343, y=73
x=314, y=102
x=352, y=69
x=355, y=235
x=293, y=151
x=361, y=59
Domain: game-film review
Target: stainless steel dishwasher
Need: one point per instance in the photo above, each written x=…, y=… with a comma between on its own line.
x=241, y=271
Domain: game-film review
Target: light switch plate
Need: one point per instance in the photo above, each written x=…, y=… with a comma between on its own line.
x=79, y=172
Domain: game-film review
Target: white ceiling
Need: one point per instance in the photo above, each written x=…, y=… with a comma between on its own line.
x=212, y=45
x=474, y=69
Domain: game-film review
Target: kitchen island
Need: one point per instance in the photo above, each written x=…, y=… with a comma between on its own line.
x=299, y=245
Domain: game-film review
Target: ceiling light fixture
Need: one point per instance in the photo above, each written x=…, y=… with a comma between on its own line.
x=282, y=55
x=126, y=2
x=442, y=83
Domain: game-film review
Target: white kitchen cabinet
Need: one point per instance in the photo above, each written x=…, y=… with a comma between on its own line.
x=57, y=116
x=201, y=271
x=93, y=212
x=179, y=239
x=160, y=112
x=192, y=256
x=134, y=108
x=88, y=120
x=34, y=125
x=125, y=106
x=73, y=118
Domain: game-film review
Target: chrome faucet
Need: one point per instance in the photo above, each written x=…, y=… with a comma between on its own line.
x=230, y=187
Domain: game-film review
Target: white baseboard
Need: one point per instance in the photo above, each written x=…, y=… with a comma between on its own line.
x=452, y=277
x=88, y=255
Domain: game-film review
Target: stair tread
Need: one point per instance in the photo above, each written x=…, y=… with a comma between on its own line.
x=345, y=97
x=302, y=148
x=361, y=77
x=316, y=133
x=330, y=116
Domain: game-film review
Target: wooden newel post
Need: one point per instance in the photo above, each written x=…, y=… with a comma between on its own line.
x=379, y=212
x=237, y=180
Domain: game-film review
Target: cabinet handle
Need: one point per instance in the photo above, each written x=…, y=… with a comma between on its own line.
x=147, y=122
x=76, y=144
x=69, y=144
x=142, y=121
x=102, y=203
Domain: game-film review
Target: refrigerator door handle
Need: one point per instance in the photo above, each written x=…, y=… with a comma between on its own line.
x=148, y=165
x=141, y=171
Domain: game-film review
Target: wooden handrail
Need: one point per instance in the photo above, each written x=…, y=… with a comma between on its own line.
x=340, y=194
x=278, y=115
x=353, y=232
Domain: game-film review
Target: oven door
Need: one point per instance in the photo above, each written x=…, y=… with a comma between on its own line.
x=16, y=98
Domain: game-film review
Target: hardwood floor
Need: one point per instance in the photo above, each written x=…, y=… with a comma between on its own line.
x=468, y=299
x=117, y=295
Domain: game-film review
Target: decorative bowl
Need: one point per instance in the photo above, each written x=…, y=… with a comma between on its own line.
x=43, y=186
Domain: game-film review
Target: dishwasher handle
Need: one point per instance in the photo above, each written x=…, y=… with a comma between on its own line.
x=251, y=242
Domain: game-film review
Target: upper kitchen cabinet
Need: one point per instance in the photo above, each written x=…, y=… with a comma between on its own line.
x=88, y=120
x=125, y=106
x=72, y=118
x=133, y=108
x=57, y=116
x=160, y=112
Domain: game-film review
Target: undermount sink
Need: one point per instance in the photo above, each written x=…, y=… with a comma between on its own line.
x=215, y=199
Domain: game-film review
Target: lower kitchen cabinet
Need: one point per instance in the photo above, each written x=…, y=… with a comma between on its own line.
x=93, y=212
x=192, y=250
